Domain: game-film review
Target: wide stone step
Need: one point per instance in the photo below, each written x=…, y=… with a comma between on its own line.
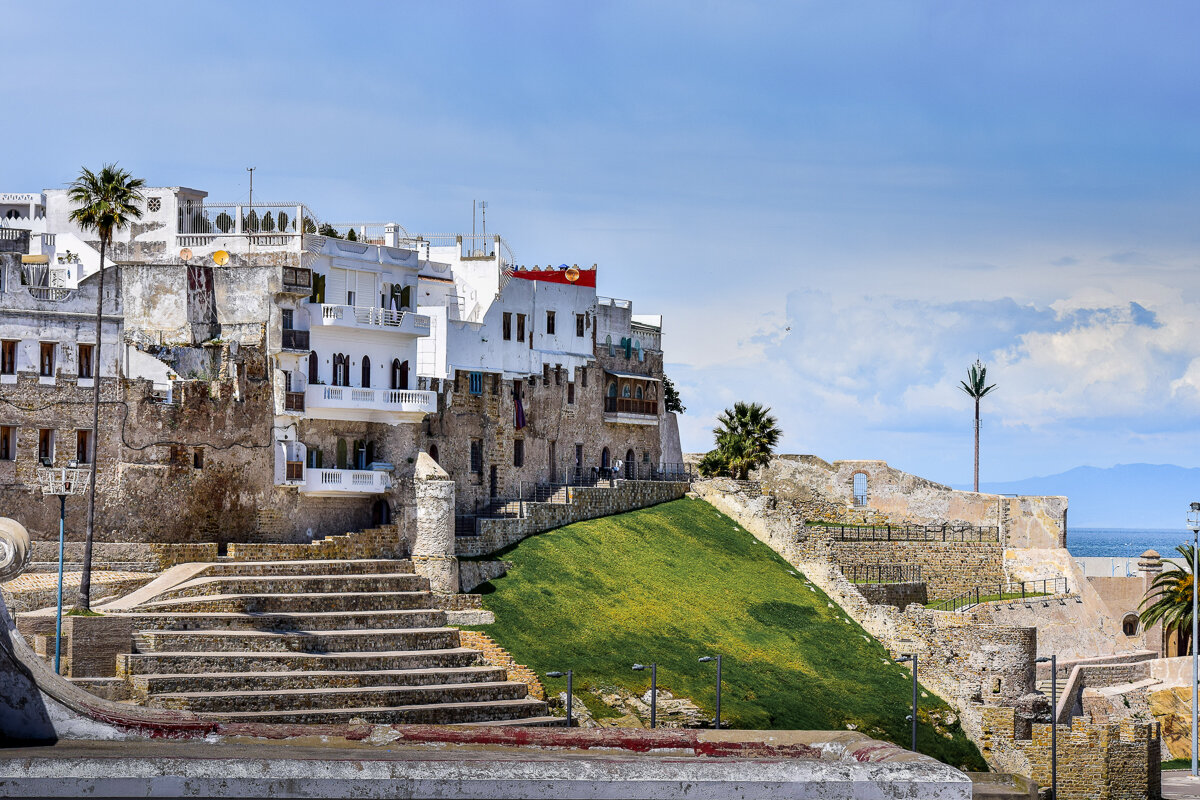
x=193, y=663
x=285, y=621
x=431, y=714
x=340, y=699
x=293, y=603
x=298, y=584
x=343, y=566
x=144, y=685
x=297, y=641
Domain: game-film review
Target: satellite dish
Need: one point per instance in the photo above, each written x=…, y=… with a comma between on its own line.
x=572, y=274
x=220, y=258
x=185, y=254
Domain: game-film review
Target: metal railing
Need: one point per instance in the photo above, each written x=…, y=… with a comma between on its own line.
x=882, y=573
x=295, y=340
x=908, y=533
x=1003, y=592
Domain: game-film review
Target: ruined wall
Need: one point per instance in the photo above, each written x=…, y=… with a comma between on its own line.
x=899, y=595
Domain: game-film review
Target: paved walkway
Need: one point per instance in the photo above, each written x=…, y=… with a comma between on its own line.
x=1178, y=784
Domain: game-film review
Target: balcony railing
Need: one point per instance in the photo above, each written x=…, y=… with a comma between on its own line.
x=629, y=405
x=295, y=470
x=297, y=278
x=293, y=401
x=346, y=481
x=295, y=340
x=382, y=405
x=263, y=224
x=49, y=293
x=372, y=317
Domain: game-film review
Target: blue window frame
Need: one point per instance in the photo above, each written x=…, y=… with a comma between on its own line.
x=475, y=383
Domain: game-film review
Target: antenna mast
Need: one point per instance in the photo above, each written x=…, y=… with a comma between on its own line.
x=483, y=212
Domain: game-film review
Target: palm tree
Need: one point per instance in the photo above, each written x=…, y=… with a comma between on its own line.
x=976, y=386
x=105, y=202
x=745, y=437
x=1169, y=599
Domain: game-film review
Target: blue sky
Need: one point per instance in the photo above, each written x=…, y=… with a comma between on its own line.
x=836, y=206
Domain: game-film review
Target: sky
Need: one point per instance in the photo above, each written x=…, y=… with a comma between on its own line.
x=837, y=207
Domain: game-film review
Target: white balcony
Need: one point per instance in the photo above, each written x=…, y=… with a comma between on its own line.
x=392, y=406
x=341, y=482
x=369, y=318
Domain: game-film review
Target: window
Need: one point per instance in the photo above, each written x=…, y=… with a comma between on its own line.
x=507, y=325
x=8, y=443
x=1129, y=625
x=578, y=455
x=46, y=444
x=47, y=360
x=433, y=452
x=638, y=393
x=550, y=323
x=477, y=456
x=349, y=298
x=625, y=390
x=341, y=370
x=366, y=372
x=198, y=458
x=860, y=488
x=520, y=327
x=579, y=324
x=313, y=365
x=558, y=375
x=545, y=374
x=154, y=205
x=8, y=357
x=314, y=457
x=399, y=374
x=583, y=376
x=83, y=447
x=518, y=452
x=287, y=318
x=475, y=383
x=570, y=393
x=86, y=352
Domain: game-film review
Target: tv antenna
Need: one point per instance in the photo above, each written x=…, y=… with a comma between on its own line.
x=483, y=213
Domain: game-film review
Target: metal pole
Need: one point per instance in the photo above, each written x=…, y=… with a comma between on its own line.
x=570, y=700
x=718, y=726
x=654, y=695
x=914, y=704
x=1195, y=663
x=1054, y=727
x=62, y=516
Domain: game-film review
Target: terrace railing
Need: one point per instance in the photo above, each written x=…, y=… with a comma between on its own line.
x=1012, y=593
x=630, y=405
x=908, y=533
x=882, y=573
x=265, y=224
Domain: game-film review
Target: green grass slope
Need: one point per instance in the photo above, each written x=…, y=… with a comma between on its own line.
x=681, y=580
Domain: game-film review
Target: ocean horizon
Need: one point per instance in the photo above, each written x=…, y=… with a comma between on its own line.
x=1125, y=542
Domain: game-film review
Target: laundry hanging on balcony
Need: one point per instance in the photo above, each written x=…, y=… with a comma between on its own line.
x=519, y=412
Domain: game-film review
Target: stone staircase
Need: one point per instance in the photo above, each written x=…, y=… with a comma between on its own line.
x=314, y=641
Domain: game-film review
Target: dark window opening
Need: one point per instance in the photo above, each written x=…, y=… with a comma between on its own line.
x=545, y=374
x=520, y=327
x=507, y=325
x=475, y=383
x=8, y=443
x=477, y=456
x=518, y=452
x=313, y=367
x=86, y=353
x=433, y=452
x=579, y=324
x=287, y=314
x=197, y=459
x=583, y=376
x=46, y=444
x=366, y=372
x=83, y=447
x=570, y=393
x=47, y=360
x=550, y=323
x=8, y=357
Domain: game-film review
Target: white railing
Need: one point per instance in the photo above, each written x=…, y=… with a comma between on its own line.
x=411, y=400
x=614, y=302
x=264, y=224
x=346, y=480
x=374, y=317
x=49, y=293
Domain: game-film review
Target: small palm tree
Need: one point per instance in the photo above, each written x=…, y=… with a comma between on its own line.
x=105, y=202
x=745, y=437
x=976, y=386
x=1169, y=599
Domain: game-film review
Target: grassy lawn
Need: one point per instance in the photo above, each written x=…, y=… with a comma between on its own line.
x=987, y=598
x=681, y=580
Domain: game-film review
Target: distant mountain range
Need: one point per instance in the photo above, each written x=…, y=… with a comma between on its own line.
x=1124, y=496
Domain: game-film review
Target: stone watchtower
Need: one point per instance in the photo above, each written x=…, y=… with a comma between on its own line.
x=1150, y=566
x=433, y=547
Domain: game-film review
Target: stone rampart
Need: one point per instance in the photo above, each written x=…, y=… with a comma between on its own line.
x=1096, y=761
x=585, y=503
x=900, y=595
x=947, y=568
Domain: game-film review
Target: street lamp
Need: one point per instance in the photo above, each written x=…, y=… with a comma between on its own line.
x=1053, y=659
x=570, y=697
x=653, y=691
x=904, y=660
x=61, y=482
x=705, y=660
x=1193, y=521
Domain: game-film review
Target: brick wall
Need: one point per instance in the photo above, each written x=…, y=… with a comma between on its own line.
x=586, y=503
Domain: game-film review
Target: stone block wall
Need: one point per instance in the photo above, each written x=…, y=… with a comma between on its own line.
x=586, y=503
x=1096, y=761
x=899, y=595
x=947, y=568
x=474, y=573
x=496, y=656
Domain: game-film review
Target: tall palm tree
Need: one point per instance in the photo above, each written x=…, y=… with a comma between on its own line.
x=1169, y=599
x=745, y=437
x=105, y=202
x=976, y=386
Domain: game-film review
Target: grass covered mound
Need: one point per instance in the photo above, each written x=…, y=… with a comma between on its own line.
x=679, y=581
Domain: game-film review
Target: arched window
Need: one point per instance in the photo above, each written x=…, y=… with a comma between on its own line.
x=313, y=366
x=370, y=453
x=1129, y=625
x=366, y=372
x=612, y=389
x=625, y=390
x=342, y=459
x=604, y=458
x=608, y=341
x=433, y=452
x=399, y=374
x=341, y=370
x=638, y=393
x=360, y=454
x=860, y=489
x=630, y=465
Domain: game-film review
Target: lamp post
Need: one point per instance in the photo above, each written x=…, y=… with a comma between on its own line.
x=570, y=696
x=1053, y=659
x=1193, y=521
x=653, y=691
x=705, y=660
x=61, y=482
x=904, y=659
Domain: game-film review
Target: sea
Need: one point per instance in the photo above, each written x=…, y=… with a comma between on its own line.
x=1125, y=542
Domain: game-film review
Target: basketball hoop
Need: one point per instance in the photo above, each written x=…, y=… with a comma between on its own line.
x=63, y=481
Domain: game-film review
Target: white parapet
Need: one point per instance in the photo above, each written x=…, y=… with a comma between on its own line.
x=368, y=405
